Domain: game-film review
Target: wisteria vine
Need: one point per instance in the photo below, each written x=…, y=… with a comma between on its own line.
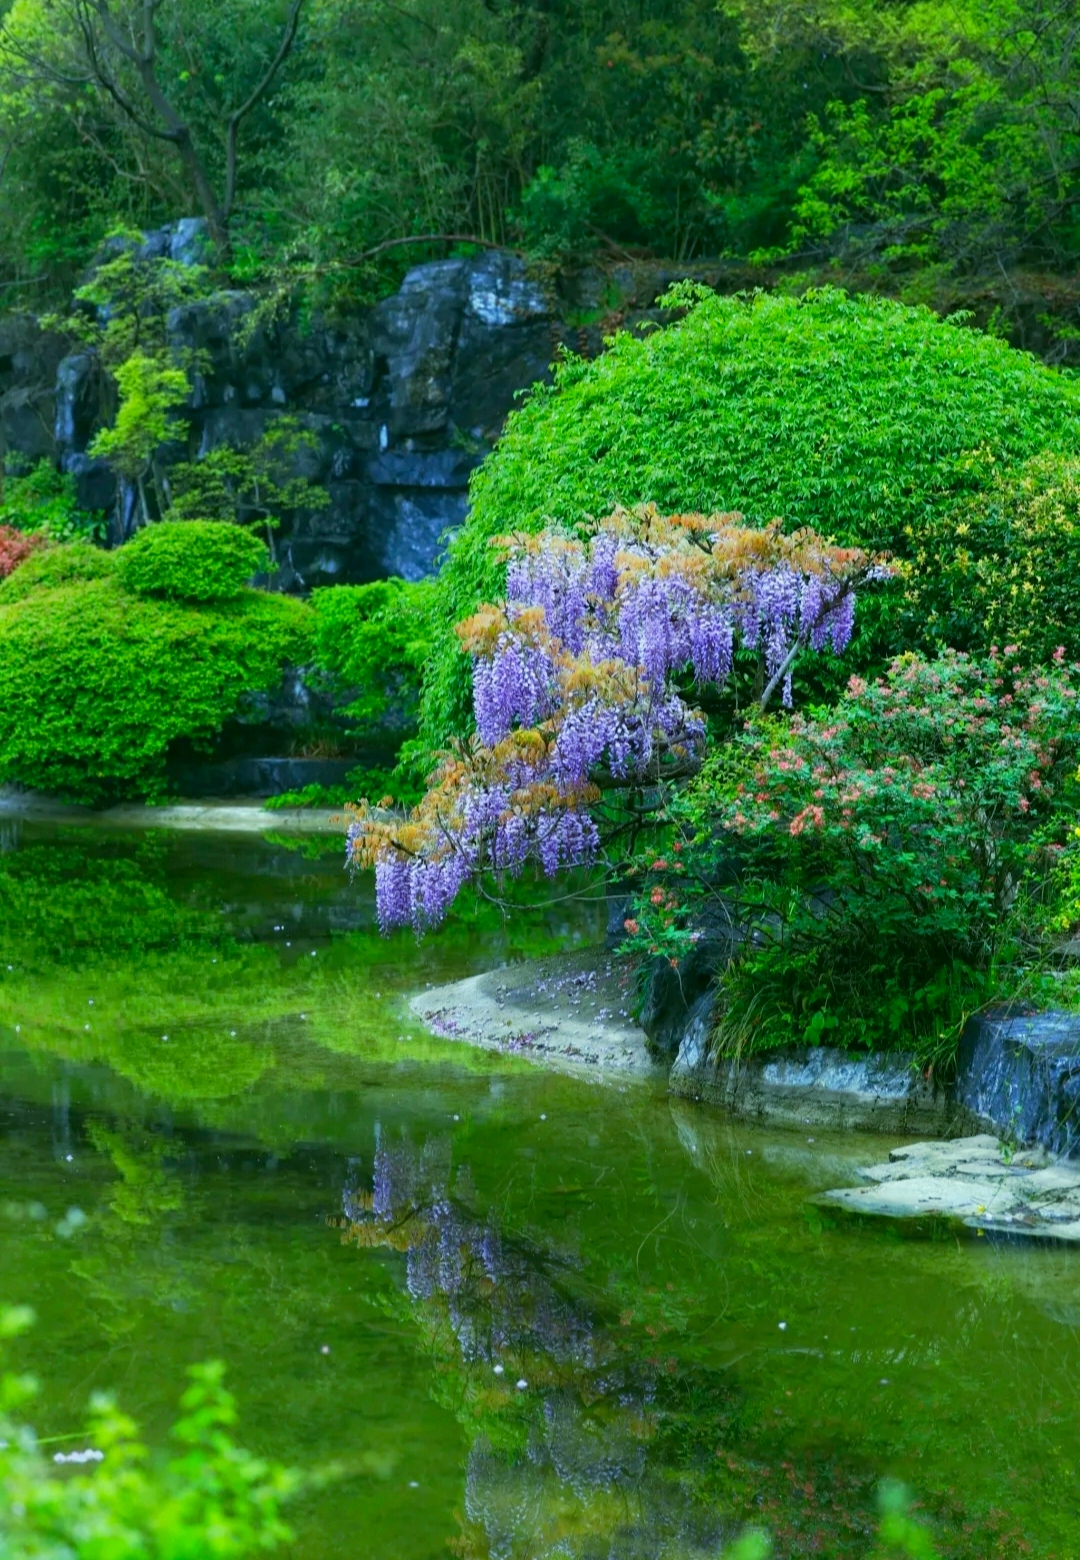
x=575, y=688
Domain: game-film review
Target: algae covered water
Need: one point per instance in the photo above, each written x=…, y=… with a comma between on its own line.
x=528, y=1315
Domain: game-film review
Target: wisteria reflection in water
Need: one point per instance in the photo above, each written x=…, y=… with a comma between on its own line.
x=565, y=1455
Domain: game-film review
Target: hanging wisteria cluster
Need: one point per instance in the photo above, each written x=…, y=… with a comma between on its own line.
x=576, y=687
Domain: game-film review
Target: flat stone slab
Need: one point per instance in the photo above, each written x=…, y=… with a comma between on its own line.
x=975, y=1180
x=570, y=1012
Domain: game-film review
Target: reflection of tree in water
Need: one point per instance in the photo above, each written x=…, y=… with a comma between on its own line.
x=569, y=1454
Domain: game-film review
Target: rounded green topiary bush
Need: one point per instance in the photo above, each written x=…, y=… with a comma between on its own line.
x=55, y=566
x=98, y=682
x=855, y=415
x=191, y=560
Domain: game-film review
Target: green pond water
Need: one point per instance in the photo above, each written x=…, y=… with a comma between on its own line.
x=531, y=1316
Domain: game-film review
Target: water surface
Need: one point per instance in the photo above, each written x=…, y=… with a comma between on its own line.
x=531, y=1316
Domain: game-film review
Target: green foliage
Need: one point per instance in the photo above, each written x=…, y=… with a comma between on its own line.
x=61, y=910
x=361, y=781
x=373, y=640
x=150, y=389
x=55, y=566
x=931, y=149
x=1001, y=566
x=261, y=484
x=885, y=855
x=122, y=308
x=43, y=499
x=899, y=1533
x=853, y=415
x=98, y=682
x=965, y=157
x=208, y=1499
x=192, y=560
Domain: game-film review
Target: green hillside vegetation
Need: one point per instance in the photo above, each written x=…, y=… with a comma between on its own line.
x=927, y=151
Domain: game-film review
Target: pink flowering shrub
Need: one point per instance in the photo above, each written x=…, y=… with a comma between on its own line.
x=16, y=547
x=580, y=689
x=885, y=854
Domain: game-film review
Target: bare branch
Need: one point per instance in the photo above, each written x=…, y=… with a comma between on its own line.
x=424, y=238
x=237, y=117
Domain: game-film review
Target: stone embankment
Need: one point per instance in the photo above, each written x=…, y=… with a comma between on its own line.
x=1004, y=1130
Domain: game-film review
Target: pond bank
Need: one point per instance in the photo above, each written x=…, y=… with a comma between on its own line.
x=1018, y=1074
x=975, y=1181
x=571, y=1012
x=210, y=815
x=574, y=1012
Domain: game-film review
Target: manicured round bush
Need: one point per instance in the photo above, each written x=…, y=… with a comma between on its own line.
x=191, y=560
x=855, y=415
x=98, y=682
x=57, y=566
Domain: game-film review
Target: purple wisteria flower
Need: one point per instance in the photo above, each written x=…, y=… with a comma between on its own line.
x=587, y=679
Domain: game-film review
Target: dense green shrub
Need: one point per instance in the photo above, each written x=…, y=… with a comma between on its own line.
x=891, y=856
x=44, y=499
x=98, y=682
x=55, y=566
x=857, y=416
x=373, y=640
x=191, y=560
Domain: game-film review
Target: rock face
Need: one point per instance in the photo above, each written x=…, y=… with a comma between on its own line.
x=29, y=359
x=811, y=1086
x=1017, y=1075
x=1020, y=1075
x=679, y=1000
x=404, y=398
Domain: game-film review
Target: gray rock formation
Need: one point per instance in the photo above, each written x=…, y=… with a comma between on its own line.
x=678, y=999
x=814, y=1086
x=404, y=398
x=1019, y=1074
x=29, y=359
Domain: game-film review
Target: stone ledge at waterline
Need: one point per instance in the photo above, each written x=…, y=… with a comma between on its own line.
x=570, y=1012
x=814, y=1086
x=1019, y=1074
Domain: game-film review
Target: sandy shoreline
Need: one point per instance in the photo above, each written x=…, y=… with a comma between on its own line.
x=571, y=1012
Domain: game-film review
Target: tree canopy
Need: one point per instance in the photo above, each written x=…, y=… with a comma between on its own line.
x=929, y=151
